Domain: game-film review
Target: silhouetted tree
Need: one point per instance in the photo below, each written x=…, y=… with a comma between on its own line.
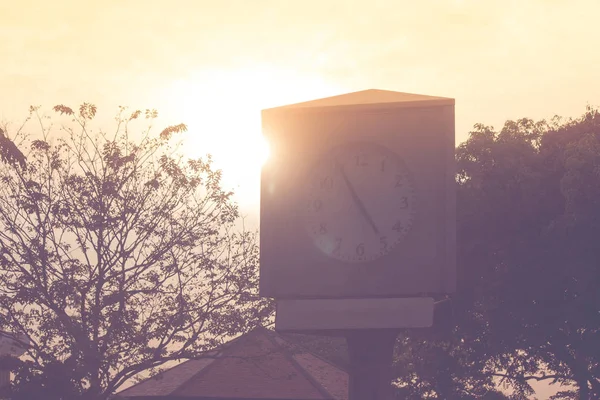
x=528, y=306
x=116, y=255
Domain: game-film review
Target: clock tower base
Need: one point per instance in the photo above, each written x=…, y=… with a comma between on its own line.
x=371, y=353
x=320, y=315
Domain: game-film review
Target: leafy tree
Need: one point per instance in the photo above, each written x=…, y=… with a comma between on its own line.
x=432, y=366
x=533, y=230
x=528, y=306
x=116, y=254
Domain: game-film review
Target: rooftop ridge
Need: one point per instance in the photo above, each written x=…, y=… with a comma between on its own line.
x=312, y=353
x=299, y=367
x=198, y=376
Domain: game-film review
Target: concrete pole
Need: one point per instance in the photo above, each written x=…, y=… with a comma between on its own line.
x=371, y=353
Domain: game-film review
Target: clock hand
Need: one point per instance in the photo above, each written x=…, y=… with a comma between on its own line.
x=357, y=200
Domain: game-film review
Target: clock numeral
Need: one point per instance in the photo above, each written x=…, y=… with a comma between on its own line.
x=383, y=165
x=317, y=204
x=360, y=249
x=399, y=181
x=384, y=243
x=361, y=160
x=326, y=183
x=398, y=227
x=403, y=202
x=338, y=246
x=323, y=228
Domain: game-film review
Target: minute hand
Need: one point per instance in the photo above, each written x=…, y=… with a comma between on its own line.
x=357, y=200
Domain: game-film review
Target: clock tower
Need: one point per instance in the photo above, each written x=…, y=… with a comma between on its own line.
x=357, y=199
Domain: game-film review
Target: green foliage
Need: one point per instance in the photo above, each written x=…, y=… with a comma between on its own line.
x=116, y=254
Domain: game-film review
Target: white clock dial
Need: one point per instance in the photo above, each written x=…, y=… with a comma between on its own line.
x=360, y=203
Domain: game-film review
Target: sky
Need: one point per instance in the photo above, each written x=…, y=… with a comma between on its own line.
x=215, y=64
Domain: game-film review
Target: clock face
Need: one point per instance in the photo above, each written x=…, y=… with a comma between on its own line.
x=360, y=202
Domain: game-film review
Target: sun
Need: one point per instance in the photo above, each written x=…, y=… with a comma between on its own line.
x=222, y=111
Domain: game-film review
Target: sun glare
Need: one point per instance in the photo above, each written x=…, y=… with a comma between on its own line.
x=263, y=150
x=222, y=111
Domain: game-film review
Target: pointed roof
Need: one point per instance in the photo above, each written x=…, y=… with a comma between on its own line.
x=371, y=98
x=259, y=365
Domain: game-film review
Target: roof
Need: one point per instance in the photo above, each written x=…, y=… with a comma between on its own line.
x=13, y=344
x=371, y=98
x=259, y=365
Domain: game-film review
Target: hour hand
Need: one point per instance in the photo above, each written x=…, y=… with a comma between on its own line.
x=356, y=199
